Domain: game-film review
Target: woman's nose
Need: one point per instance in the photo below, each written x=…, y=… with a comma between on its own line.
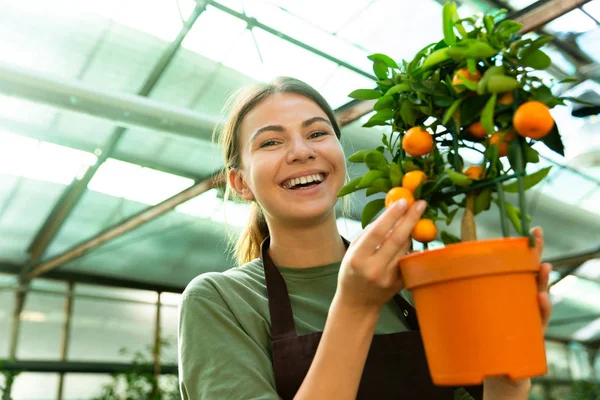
x=300, y=151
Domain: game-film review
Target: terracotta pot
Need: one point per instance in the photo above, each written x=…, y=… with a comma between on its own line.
x=478, y=311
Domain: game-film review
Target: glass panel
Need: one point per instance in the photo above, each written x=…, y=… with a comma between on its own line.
x=168, y=333
x=8, y=279
x=116, y=293
x=132, y=182
x=557, y=359
x=306, y=30
x=590, y=332
x=593, y=7
x=48, y=284
x=589, y=269
x=100, y=329
x=84, y=386
x=222, y=29
x=400, y=37
x=575, y=21
x=579, y=362
x=341, y=83
x=7, y=299
x=35, y=386
x=41, y=325
x=519, y=4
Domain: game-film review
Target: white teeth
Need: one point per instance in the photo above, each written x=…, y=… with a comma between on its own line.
x=303, y=180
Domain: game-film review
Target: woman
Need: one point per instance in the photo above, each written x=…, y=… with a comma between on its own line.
x=350, y=334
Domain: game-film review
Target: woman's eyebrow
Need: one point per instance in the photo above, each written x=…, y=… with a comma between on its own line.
x=280, y=128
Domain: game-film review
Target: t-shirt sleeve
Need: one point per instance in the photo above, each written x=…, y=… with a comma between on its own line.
x=217, y=359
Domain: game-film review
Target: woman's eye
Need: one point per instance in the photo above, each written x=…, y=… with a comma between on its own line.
x=268, y=143
x=317, y=134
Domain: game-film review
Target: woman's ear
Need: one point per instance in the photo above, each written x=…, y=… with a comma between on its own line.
x=237, y=182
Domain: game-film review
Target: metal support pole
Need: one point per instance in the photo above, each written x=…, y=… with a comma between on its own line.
x=66, y=331
x=121, y=228
x=157, y=348
x=20, y=297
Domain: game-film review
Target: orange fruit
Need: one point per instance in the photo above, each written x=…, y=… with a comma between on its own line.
x=424, y=231
x=413, y=179
x=475, y=172
x=533, y=120
x=506, y=99
x=463, y=74
x=417, y=141
x=398, y=193
x=501, y=140
x=476, y=129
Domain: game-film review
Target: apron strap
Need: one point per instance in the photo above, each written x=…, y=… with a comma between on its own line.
x=280, y=308
x=408, y=311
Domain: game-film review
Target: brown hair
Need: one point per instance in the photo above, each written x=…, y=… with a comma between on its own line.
x=238, y=105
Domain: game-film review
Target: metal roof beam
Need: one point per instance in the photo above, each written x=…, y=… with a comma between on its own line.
x=123, y=227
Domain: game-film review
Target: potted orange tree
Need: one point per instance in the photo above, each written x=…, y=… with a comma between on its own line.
x=477, y=89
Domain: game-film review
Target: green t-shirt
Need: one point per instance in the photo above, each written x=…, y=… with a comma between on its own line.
x=225, y=328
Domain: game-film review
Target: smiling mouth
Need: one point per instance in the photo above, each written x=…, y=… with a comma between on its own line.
x=304, y=182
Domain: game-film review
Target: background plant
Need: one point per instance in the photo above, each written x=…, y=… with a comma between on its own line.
x=464, y=92
x=139, y=383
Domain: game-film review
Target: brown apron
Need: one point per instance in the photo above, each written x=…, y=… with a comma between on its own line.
x=396, y=367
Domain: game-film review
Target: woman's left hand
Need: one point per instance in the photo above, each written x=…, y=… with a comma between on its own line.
x=503, y=387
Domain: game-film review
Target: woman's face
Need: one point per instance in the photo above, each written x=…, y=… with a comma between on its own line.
x=292, y=162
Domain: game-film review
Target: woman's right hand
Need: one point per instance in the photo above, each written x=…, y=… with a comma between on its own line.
x=369, y=275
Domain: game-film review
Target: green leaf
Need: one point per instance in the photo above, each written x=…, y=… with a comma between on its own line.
x=371, y=191
x=382, y=185
x=376, y=160
x=554, y=142
x=534, y=46
x=365, y=94
x=537, y=60
x=448, y=238
x=371, y=210
x=471, y=108
x=407, y=113
x=385, y=102
x=376, y=120
x=380, y=69
x=451, y=160
x=487, y=115
x=399, y=88
x=529, y=180
x=359, y=156
x=451, y=215
x=395, y=174
x=349, y=187
x=514, y=216
x=385, y=114
x=568, y=80
x=384, y=59
x=448, y=13
x=370, y=177
x=531, y=155
x=483, y=201
x=451, y=110
x=458, y=178
x=508, y=27
x=501, y=84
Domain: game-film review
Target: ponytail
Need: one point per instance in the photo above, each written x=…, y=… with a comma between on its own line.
x=250, y=239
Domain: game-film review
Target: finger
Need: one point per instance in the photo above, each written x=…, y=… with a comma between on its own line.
x=538, y=234
x=400, y=236
x=377, y=231
x=544, y=277
x=545, y=308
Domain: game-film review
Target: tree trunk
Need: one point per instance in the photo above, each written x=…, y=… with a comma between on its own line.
x=468, y=230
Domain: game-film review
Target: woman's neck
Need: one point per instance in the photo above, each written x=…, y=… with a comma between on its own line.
x=306, y=246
